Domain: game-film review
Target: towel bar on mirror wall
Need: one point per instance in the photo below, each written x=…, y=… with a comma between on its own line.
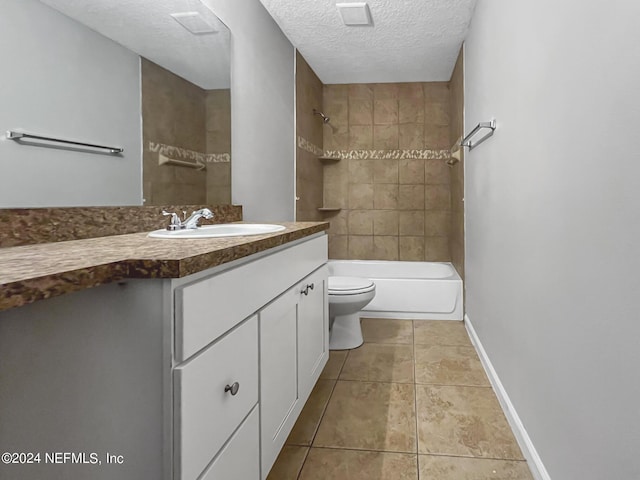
x=13, y=135
x=466, y=142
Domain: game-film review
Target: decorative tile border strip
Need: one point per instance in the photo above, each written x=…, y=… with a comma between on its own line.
x=179, y=153
x=389, y=154
x=307, y=146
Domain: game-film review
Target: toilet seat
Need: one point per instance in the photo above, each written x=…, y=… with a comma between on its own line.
x=349, y=285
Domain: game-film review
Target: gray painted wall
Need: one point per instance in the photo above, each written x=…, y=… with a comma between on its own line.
x=55, y=83
x=262, y=111
x=552, y=224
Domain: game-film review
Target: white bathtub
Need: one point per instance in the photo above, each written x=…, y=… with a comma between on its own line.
x=409, y=290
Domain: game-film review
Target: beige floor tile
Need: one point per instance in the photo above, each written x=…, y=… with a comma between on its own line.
x=382, y=330
x=374, y=362
x=440, y=332
x=449, y=365
x=369, y=416
x=325, y=464
x=288, y=464
x=334, y=365
x=465, y=421
x=305, y=427
x=460, y=468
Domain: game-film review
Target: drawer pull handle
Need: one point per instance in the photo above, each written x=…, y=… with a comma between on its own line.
x=306, y=289
x=232, y=388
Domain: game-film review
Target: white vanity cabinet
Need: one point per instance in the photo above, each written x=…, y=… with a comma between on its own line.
x=293, y=350
x=193, y=378
x=260, y=327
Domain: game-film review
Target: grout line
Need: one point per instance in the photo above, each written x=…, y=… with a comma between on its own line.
x=303, y=462
x=415, y=400
x=355, y=449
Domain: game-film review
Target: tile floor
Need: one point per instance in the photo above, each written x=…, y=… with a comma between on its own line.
x=412, y=403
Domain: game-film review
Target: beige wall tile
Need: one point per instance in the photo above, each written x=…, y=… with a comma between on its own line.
x=360, y=196
x=360, y=137
x=411, y=222
x=385, y=171
x=436, y=172
x=411, y=103
x=338, y=222
x=436, y=92
x=385, y=137
x=385, y=197
x=411, y=136
x=436, y=136
x=410, y=197
x=338, y=247
x=436, y=249
x=336, y=137
x=336, y=181
x=360, y=112
x=360, y=171
x=385, y=111
x=436, y=223
x=383, y=91
x=411, y=249
x=411, y=171
x=360, y=247
x=361, y=91
x=385, y=222
x=437, y=197
x=437, y=113
x=360, y=222
x=385, y=247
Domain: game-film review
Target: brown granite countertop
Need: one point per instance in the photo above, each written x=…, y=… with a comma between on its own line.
x=36, y=272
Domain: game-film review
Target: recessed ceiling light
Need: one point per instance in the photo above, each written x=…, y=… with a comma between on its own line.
x=194, y=22
x=355, y=13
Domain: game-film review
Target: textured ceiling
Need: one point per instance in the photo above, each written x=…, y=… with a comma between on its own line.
x=410, y=41
x=146, y=28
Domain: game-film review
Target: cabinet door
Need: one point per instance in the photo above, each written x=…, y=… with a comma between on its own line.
x=313, y=331
x=238, y=460
x=279, y=405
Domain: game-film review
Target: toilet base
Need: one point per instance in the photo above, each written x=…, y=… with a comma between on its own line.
x=346, y=332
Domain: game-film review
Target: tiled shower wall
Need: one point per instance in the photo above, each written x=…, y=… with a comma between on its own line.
x=309, y=143
x=177, y=113
x=456, y=230
x=392, y=183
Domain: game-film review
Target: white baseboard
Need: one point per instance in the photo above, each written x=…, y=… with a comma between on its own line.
x=534, y=461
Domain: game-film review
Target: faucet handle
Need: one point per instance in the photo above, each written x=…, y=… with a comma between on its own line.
x=175, y=223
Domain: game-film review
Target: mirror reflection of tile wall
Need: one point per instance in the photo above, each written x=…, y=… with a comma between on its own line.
x=396, y=205
x=196, y=123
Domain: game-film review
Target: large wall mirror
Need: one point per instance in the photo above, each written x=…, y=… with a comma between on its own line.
x=178, y=57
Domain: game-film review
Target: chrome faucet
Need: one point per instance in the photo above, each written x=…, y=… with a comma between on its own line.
x=192, y=221
x=189, y=223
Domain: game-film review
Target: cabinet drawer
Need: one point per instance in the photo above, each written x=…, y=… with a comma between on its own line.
x=240, y=458
x=208, y=308
x=205, y=415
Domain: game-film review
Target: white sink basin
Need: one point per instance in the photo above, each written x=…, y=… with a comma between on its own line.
x=222, y=230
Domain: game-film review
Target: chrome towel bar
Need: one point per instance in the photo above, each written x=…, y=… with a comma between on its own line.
x=466, y=142
x=13, y=135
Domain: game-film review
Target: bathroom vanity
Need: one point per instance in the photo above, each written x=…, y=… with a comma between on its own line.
x=197, y=370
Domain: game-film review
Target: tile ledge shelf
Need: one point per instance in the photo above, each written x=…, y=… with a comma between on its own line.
x=329, y=209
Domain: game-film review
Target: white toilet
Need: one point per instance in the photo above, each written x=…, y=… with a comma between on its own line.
x=347, y=296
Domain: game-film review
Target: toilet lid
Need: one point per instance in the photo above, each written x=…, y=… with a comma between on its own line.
x=349, y=285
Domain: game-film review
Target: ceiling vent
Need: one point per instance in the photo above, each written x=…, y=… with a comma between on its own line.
x=355, y=13
x=194, y=22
